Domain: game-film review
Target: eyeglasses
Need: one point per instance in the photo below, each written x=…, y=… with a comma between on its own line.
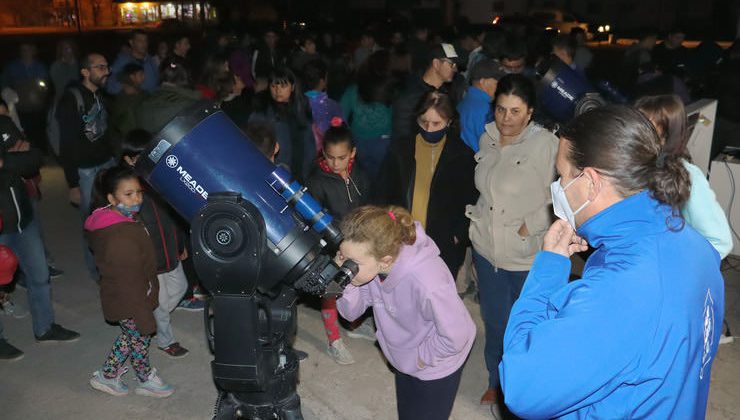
x=451, y=63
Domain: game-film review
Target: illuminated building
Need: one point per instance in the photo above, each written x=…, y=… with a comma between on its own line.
x=147, y=12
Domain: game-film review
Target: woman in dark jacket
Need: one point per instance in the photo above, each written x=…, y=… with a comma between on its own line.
x=431, y=174
x=284, y=107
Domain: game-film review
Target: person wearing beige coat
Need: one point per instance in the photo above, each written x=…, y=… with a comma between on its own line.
x=515, y=166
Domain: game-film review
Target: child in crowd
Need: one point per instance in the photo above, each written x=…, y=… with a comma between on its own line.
x=323, y=108
x=169, y=246
x=263, y=136
x=129, y=288
x=424, y=329
x=340, y=186
x=701, y=211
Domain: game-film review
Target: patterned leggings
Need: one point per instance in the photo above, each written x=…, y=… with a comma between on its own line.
x=129, y=342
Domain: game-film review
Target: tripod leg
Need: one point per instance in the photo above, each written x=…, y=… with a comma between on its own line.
x=292, y=409
x=224, y=409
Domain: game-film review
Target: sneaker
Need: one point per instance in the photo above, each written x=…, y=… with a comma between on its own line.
x=192, y=305
x=489, y=397
x=300, y=355
x=9, y=352
x=17, y=311
x=726, y=336
x=471, y=290
x=113, y=386
x=496, y=412
x=55, y=272
x=59, y=333
x=340, y=353
x=175, y=350
x=366, y=331
x=199, y=293
x=154, y=386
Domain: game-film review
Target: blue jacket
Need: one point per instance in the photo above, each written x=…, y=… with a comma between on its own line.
x=151, y=73
x=634, y=338
x=475, y=112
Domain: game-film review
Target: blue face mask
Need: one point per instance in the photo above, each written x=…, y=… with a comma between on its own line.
x=433, y=136
x=128, y=211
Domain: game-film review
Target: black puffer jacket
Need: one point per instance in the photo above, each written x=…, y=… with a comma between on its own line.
x=15, y=205
x=337, y=195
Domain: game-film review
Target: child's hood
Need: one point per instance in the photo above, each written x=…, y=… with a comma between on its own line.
x=323, y=166
x=411, y=258
x=104, y=217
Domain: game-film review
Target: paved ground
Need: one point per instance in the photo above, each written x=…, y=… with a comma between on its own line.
x=52, y=378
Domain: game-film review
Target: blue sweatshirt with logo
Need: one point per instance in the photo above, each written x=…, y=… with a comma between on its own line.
x=635, y=337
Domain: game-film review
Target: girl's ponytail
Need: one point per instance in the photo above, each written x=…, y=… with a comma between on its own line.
x=385, y=229
x=406, y=225
x=99, y=196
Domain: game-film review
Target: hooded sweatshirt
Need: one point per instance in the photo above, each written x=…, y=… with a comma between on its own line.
x=420, y=317
x=126, y=260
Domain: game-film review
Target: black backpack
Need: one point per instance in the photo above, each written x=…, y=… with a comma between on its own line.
x=52, y=123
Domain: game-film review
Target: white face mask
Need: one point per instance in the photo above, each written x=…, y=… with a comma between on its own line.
x=560, y=204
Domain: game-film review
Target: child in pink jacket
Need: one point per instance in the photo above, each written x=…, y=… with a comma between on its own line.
x=423, y=327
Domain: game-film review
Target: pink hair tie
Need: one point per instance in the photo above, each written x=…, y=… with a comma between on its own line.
x=391, y=215
x=336, y=122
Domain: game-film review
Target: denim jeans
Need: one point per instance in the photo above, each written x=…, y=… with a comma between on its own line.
x=498, y=289
x=37, y=216
x=172, y=287
x=87, y=180
x=29, y=248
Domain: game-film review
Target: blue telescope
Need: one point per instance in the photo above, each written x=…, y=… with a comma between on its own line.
x=257, y=237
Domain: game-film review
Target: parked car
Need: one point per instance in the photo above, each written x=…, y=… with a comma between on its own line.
x=561, y=21
x=557, y=20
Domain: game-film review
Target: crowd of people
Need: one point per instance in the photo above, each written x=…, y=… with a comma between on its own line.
x=451, y=180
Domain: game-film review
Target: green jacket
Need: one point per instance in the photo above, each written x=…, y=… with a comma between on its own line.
x=164, y=104
x=122, y=117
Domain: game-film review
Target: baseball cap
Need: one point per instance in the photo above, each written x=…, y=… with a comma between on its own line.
x=443, y=51
x=487, y=69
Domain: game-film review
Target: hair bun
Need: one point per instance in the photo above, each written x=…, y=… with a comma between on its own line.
x=337, y=122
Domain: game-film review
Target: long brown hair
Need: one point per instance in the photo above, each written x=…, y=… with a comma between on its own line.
x=385, y=229
x=668, y=115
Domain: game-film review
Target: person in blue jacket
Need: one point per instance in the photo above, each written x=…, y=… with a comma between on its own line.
x=475, y=109
x=636, y=336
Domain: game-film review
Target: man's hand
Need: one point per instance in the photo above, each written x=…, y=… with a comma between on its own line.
x=562, y=239
x=184, y=255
